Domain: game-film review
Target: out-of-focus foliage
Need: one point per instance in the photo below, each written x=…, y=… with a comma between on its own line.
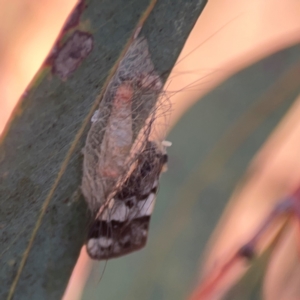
x=212, y=147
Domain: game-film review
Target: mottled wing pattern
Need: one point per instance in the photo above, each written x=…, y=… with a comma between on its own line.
x=121, y=125
x=122, y=226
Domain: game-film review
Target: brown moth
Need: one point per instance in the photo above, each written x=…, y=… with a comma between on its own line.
x=122, y=165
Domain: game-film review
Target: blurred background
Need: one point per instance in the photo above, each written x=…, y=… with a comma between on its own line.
x=238, y=144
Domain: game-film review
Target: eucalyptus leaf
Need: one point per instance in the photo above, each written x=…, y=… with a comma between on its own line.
x=43, y=219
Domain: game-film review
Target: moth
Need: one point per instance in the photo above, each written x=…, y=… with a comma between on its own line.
x=122, y=165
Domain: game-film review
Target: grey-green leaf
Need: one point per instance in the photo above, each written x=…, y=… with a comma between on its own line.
x=43, y=220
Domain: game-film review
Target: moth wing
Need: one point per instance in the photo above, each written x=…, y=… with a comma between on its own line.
x=122, y=227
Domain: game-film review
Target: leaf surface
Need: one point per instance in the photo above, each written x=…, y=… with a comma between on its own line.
x=43, y=219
